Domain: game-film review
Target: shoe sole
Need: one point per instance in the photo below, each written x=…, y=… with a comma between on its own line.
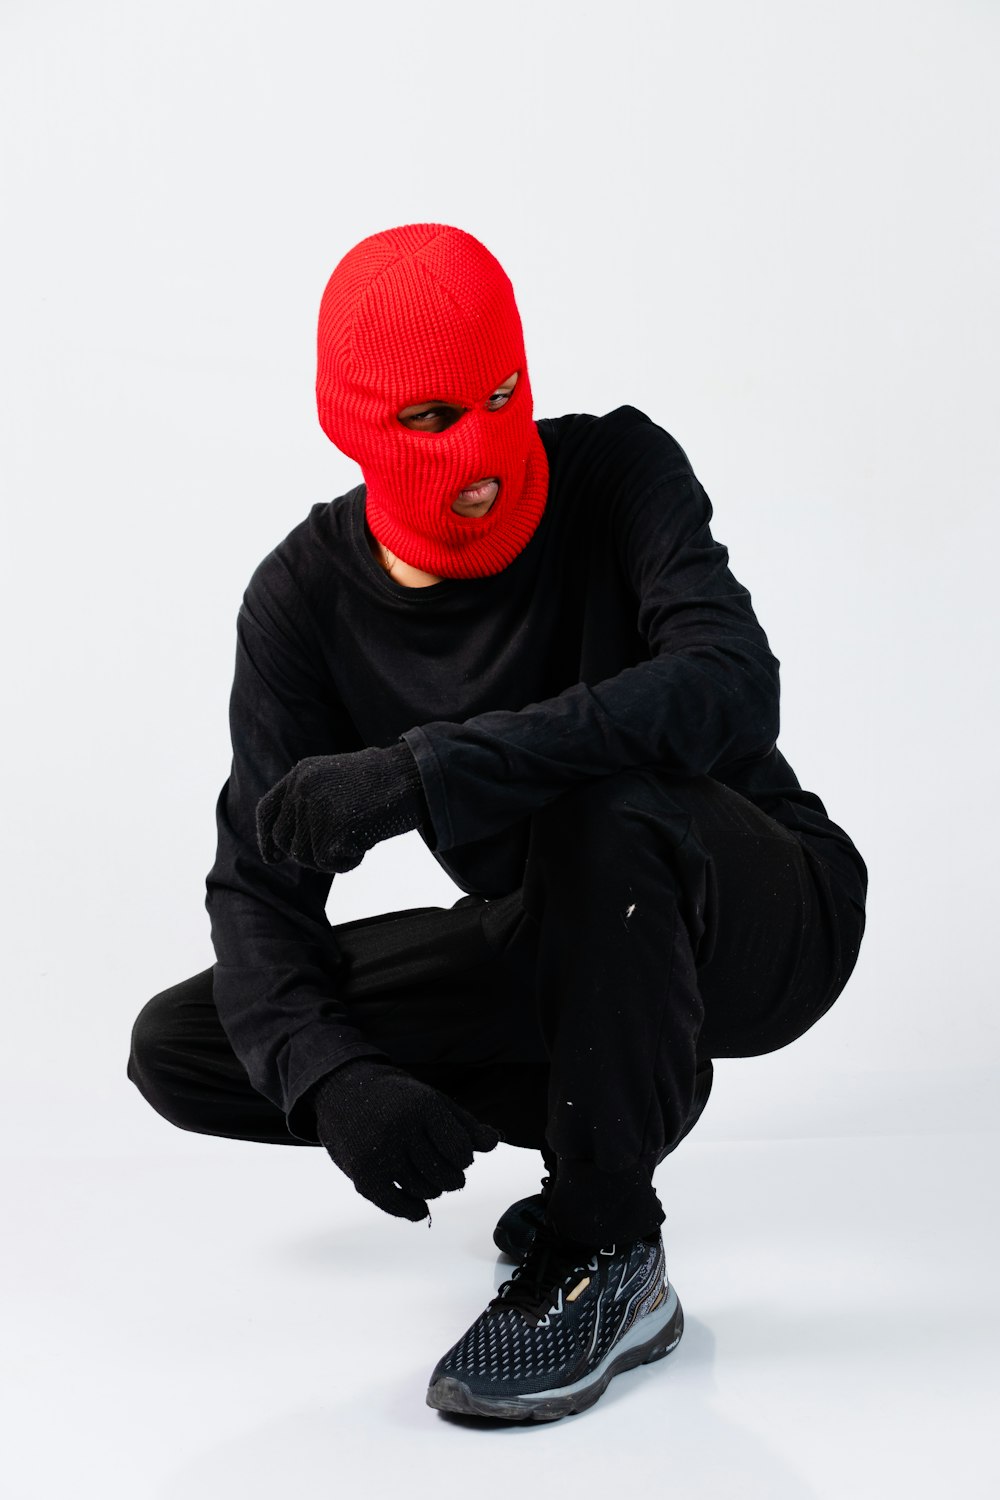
x=650, y=1343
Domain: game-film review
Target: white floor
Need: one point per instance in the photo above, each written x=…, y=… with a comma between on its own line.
x=198, y=1319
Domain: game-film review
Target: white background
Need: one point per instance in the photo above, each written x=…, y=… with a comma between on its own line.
x=772, y=227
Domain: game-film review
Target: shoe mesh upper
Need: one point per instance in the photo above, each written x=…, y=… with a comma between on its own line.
x=505, y=1352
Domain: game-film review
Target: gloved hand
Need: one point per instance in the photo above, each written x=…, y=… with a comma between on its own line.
x=329, y=810
x=399, y=1140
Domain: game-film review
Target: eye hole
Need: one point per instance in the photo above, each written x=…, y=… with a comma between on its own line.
x=438, y=418
x=434, y=420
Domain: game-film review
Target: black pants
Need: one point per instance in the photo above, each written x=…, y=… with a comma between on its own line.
x=662, y=922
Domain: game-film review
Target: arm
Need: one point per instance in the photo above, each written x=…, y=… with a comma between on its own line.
x=707, y=697
x=275, y=983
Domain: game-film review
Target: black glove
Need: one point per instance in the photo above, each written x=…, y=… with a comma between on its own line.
x=399, y=1140
x=329, y=810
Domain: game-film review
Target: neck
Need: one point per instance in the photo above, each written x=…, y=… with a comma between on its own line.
x=411, y=578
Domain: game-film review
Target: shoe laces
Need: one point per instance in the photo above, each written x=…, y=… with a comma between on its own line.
x=536, y=1285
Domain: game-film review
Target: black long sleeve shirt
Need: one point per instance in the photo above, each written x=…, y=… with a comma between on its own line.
x=618, y=637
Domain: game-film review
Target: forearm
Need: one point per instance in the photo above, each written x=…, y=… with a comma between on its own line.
x=277, y=975
x=276, y=988
x=687, y=712
x=707, y=695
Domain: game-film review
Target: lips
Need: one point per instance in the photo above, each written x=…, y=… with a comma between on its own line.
x=483, y=489
x=477, y=500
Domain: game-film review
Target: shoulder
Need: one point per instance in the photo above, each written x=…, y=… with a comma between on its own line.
x=641, y=479
x=624, y=445
x=287, y=582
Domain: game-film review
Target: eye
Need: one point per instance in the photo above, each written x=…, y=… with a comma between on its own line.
x=439, y=418
x=434, y=420
x=503, y=393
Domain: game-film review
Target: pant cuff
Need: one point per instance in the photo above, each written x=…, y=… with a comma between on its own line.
x=596, y=1207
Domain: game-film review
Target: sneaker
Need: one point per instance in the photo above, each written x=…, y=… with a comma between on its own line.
x=566, y=1322
x=516, y=1229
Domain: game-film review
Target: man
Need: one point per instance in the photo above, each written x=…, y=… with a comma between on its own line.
x=522, y=639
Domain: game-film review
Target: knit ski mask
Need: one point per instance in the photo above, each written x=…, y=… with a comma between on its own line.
x=425, y=313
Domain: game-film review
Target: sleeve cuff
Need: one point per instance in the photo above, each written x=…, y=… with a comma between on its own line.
x=432, y=781
x=299, y=1116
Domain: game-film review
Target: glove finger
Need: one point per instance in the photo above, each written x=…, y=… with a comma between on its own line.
x=410, y=1179
x=485, y=1137
x=320, y=839
x=393, y=1200
x=451, y=1138
x=306, y=843
x=319, y=847
x=435, y=1167
x=301, y=848
x=283, y=822
x=338, y=857
x=402, y=1198
x=480, y=1136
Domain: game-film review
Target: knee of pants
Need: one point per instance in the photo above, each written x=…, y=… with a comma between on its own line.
x=151, y=1057
x=637, y=829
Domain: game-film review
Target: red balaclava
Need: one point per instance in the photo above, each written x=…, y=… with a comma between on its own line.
x=425, y=313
